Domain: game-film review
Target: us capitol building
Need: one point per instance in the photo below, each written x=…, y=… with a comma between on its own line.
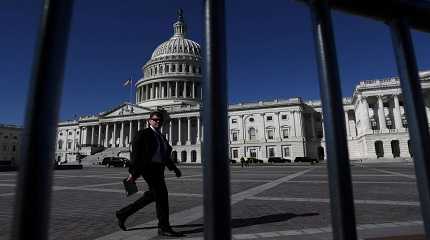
x=172, y=79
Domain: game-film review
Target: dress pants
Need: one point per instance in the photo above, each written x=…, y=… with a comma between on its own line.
x=154, y=177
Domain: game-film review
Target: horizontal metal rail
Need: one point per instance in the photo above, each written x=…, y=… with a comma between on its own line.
x=417, y=11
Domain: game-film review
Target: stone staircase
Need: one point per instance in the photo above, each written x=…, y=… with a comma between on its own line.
x=97, y=158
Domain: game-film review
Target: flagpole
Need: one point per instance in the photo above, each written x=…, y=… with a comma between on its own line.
x=131, y=87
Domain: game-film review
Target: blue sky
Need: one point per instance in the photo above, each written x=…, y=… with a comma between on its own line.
x=270, y=50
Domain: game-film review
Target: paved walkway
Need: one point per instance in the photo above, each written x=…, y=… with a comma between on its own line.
x=276, y=202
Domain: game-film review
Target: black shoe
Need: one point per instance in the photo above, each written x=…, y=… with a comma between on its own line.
x=121, y=220
x=169, y=232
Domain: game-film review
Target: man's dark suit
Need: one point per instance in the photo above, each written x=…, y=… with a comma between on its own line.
x=144, y=146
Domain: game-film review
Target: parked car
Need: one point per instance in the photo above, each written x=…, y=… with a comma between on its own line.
x=116, y=162
x=254, y=160
x=306, y=159
x=278, y=160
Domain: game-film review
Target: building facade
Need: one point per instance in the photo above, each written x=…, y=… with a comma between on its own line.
x=374, y=116
x=10, y=142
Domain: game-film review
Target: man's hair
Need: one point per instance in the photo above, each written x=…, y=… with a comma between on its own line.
x=156, y=113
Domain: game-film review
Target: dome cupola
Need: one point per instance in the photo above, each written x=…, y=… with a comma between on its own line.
x=173, y=74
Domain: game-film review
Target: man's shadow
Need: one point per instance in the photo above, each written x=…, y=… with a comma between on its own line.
x=240, y=222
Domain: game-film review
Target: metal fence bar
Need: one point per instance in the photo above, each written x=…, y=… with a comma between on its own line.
x=33, y=192
x=341, y=196
x=216, y=172
x=383, y=10
x=415, y=111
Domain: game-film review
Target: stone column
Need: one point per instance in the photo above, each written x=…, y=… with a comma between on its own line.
x=193, y=90
x=92, y=135
x=121, y=135
x=100, y=135
x=114, y=135
x=179, y=132
x=198, y=129
x=170, y=132
x=130, y=133
x=184, y=93
x=107, y=135
x=264, y=127
x=396, y=111
x=147, y=93
x=348, y=133
x=381, y=116
x=138, y=125
x=152, y=91
x=313, y=125
x=169, y=91
x=177, y=89
x=366, y=118
x=243, y=128
x=189, y=130
x=293, y=118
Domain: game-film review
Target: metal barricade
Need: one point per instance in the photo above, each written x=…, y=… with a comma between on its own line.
x=400, y=15
x=35, y=175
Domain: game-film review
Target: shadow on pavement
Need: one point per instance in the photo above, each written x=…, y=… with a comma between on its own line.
x=240, y=222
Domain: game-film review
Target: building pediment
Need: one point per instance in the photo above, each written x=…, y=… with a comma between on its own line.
x=125, y=109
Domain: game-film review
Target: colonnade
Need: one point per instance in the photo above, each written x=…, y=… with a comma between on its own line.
x=381, y=118
x=120, y=134
x=168, y=89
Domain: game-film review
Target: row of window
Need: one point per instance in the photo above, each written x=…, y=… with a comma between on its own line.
x=69, y=145
x=166, y=68
x=6, y=148
x=286, y=152
x=268, y=118
x=252, y=134
x=69, y=132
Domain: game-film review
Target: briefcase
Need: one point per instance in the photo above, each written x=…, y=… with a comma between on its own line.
x=130, y=187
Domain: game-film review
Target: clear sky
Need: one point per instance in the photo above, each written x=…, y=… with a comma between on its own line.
x=269, y=45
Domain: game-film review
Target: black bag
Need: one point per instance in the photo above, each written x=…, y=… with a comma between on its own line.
x=130, y=187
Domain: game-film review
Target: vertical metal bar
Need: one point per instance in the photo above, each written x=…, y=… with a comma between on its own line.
x=416, y=116
x=216, y=172
x=341, y=196
x=33, y=192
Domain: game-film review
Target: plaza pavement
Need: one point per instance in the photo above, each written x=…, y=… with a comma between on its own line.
x=268, y=202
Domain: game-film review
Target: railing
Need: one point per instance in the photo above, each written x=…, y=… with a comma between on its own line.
x=33, y=197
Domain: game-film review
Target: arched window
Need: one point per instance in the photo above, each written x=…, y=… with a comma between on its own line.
x=395, y=148
x=193, y=156
x=184, y=156
x=60, y=144
x=379, y=149
x=252, y=133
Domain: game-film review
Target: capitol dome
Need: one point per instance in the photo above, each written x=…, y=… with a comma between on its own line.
x=173, y=74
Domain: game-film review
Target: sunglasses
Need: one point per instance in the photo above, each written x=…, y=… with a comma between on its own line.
x=156, y=119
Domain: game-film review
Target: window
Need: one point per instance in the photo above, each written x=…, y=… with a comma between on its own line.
x=285, y=132
x=271, y=152
x=234, y=136
x=270, y=134
x=15, y=137
x=173, y=68
x=235, y=153
x=286, y=151
x=61, y=133
x=13, y=148
x=284, y=117
x=180, y=68
x=69, y=145
x=6, y=137
x=251, y=119
x=70, y=133
x=269, y=118
x=233, y=120
x=252, y=134
x=60, y=144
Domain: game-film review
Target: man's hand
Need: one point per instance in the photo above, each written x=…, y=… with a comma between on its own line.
x=130, y=178
x=178, y=172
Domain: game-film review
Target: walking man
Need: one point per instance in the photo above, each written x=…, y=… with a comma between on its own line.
x=149, y=156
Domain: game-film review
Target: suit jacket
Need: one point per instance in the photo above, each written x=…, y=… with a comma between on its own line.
x=144, y=145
